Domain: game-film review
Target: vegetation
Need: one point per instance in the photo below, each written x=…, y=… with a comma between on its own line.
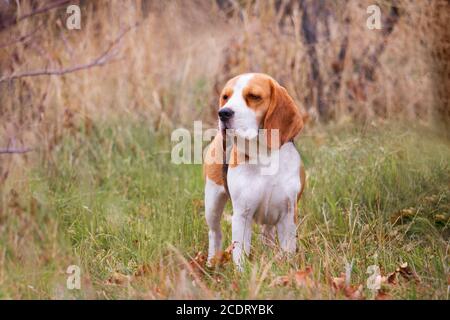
x=115, y=205
x=85, y=171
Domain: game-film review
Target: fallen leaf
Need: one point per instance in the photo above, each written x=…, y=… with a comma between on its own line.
x=406, y=272
x=235, y=285
x=198, y=262
x=382, y=295
x=222, y=257
x=118, y=278
x=391, y=278
x=351, y=292
x=280, y=281
x=402, y=214
x=431, y=198
x=354, y=292
x=338, y=283
x=440, y=218
x=303, y=278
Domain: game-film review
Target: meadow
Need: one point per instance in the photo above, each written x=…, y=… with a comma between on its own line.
x=86, y=177
x=114, y=204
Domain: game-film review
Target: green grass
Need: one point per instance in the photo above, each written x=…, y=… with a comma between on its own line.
x=112, y=201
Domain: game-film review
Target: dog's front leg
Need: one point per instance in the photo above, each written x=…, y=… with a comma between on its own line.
x=215, y=200
x=241, y=236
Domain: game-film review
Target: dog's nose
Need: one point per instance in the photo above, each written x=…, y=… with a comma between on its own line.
x=225, y=114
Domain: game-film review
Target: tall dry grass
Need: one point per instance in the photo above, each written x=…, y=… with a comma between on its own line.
x=162, y=72
x=169, y=68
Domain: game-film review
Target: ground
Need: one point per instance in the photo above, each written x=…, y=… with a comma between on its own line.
x=111, y=202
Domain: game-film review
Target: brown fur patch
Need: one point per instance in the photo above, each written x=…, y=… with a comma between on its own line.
x=212, y=165
x=283, y=115
x=227, y=91
x=257, y=93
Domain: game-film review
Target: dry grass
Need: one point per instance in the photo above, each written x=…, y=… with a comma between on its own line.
x=113, y=204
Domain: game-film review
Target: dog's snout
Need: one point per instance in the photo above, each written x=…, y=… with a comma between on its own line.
x=225, y=114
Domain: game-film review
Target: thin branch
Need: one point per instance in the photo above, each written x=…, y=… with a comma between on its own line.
x=53, y=5
x=16, y=151
x=11, y=21
x=102, y=59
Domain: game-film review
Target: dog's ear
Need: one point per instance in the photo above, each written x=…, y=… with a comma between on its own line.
x=282, y=115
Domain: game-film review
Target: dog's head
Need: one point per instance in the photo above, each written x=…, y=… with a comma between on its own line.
x=255, y=101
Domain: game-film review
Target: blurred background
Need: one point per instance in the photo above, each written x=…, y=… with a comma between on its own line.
x=164, y=63
x=167, y=61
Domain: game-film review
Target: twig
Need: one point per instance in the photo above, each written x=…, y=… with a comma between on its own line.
x=53, y=5
x=11, y=21
x=11, y=151
x=99, y=61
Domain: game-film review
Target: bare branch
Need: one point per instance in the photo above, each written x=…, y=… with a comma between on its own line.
x=11, y=21
x=102, y=59
x=53, y=5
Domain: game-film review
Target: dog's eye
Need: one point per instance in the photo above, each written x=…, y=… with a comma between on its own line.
x=254, y=96
x=224, y=97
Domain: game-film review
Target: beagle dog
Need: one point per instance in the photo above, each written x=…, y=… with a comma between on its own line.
x=248, y=103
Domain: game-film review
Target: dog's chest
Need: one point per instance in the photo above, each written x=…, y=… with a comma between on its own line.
x=264, y=193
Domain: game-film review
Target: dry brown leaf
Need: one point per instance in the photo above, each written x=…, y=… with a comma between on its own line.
x=431, y=199
x=235, y=285
x=299, y=278
x=281, y=281
x=382, y=295
x=354, y=292
x=338, y=283
x=398, y=216
x=118, y=278
x=351, y=292
x=440, y=218
x=198, y=262
x=391, y=278
x=304, y=278
x=222, y=257
x=406, y=272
